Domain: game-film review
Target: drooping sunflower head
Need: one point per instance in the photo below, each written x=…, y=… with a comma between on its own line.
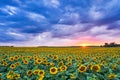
x=53, y=70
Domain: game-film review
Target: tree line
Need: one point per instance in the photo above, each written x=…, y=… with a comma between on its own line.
x=112, y=44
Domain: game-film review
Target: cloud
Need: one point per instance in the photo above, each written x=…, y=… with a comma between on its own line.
x=63, y=30
x=9, y=10
x=69, y=18
x=51, y=3
x=36, y=17
x=95, y=14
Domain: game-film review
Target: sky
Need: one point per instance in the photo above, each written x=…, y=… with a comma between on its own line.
x=59, y=22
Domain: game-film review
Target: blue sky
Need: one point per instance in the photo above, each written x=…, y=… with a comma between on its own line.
x=59, y=22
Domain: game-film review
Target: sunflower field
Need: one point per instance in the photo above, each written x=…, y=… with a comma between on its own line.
x=59, y=63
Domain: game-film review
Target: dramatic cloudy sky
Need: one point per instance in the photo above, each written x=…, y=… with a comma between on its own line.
x=59, y=22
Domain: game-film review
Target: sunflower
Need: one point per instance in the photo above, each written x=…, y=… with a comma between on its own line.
x=41, y=72
x=55, y=57
x=89, y=66
x=4, y=60
x=29, y=57
x=25, y=61
x=35, y=72
x=39, y=61
x=69, y=64
x=53, y=70
x=96, y=68
x=72, y=76
x=112, y=76
x=11, y=59
x=29, y=72
x=48, y=64
x=17, y=63
x=9, y=74
x=5, y=64
x=35, y=63
x=45, y=61
x=12, y=66
x=16, y=57
x=63, y=68
x=16, y=76
x=52, y=64
x=60, y=63
x=82, y=68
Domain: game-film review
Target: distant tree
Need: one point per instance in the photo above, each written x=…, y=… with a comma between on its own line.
x=112, y=44
x=106, y=45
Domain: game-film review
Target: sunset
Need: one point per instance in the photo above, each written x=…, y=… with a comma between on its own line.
x=59, y=39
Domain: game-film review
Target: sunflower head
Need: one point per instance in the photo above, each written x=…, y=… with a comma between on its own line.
x=69, y=64
x=29, y=72
x=96, y=68
x=63, y=68
x=17, y=63
x=82, y=68
x=73, y=76
x=25, y=61
x=16, y=57
x=60, y=63
x=16, y=76
x=41, y=72
x=12, y=66
x=5, y=64
x=39, y=61
x=52, y=64
x=35, y=72
x=55, y=57
x=11, y=59
x=112, y=76
x=53, y=70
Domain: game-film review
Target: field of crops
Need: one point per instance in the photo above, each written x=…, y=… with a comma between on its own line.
x=43, y=63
